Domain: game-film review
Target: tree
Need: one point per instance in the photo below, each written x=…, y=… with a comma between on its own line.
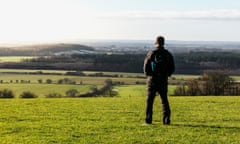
x=211, y=83
x=193, y=88
x=6, y=93
x=216, y=82
x=180, y=90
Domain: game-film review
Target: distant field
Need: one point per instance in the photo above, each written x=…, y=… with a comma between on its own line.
x=83, y=83
x=186, y=77
x=32, y=71
x=13, y=82
x=138, y=90
x=14, y=58
x=41, y=90
x=203, y=120
x=129, y=89
x=118, y=73
x=122, y=74
x=85, y=79
x=236, y=78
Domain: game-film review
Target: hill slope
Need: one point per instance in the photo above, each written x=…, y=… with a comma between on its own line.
x=44, y=49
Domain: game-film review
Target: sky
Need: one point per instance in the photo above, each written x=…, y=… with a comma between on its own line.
x=66, y=20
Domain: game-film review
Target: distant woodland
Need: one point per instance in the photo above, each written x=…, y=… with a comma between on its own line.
x=186, y=63
x=84, y=58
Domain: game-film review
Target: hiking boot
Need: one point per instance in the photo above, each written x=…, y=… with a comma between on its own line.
x=166, y=121
x=147, y=121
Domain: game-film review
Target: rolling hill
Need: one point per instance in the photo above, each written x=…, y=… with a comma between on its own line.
x=45, y=50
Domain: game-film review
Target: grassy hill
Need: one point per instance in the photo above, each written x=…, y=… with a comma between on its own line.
x=119, y=120
x=205, y=119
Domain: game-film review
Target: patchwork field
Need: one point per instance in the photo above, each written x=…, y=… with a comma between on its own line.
x=23, y=80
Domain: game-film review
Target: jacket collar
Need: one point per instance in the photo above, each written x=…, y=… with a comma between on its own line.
x=160, y=47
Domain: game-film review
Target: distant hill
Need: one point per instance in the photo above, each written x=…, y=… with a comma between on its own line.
x=45, y=49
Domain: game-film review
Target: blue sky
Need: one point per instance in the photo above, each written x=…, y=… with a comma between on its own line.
x=63, y=20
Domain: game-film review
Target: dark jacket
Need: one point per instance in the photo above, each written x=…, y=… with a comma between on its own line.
x=170, y=66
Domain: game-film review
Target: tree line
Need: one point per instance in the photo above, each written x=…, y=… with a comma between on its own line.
x=186, y=63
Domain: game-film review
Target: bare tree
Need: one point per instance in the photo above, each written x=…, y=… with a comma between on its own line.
x=215, y=82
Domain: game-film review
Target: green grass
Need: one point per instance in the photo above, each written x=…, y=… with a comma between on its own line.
x=55, y=78
x=41, y=90
x=138, y=90
x=209, y=120
x=131, y=90
x=237, y=78
x=185, y=77
x=123, y=74
x=9, y=82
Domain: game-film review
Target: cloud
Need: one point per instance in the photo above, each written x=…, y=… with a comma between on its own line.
x=186, y=15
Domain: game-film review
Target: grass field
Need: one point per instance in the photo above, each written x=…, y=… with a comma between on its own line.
x=32, y=71
x=237, y=78
x=138, y=90
x=14, y=58
x=9, y=82
x=41, y=90
x=87, y=80
x=13, y=82
x=209, y=120
x=203, y=120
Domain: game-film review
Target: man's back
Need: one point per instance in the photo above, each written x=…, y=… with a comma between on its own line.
x=159, y=62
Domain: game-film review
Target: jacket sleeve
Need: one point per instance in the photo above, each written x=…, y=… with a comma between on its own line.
x=147, y=64
x=171, y=65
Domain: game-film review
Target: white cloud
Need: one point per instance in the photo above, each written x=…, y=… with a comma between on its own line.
x=187, y=15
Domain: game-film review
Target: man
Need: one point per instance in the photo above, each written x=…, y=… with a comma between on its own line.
x=158, y=66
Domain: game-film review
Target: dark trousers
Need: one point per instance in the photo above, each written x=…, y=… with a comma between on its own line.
x=155, y=85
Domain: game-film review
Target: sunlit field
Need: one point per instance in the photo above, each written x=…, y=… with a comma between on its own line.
x=118, y=120
x=20, y=80
x=14, y=58
x=42, y=90
x=32, y=71
x=237, y=78
x=138, y=90
x=25, y=80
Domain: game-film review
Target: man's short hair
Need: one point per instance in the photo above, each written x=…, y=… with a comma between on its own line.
x=160, y=40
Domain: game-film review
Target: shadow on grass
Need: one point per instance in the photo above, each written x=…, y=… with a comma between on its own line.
x=206, y=126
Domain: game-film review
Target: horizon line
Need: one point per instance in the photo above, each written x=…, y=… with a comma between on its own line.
x=78, y=41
